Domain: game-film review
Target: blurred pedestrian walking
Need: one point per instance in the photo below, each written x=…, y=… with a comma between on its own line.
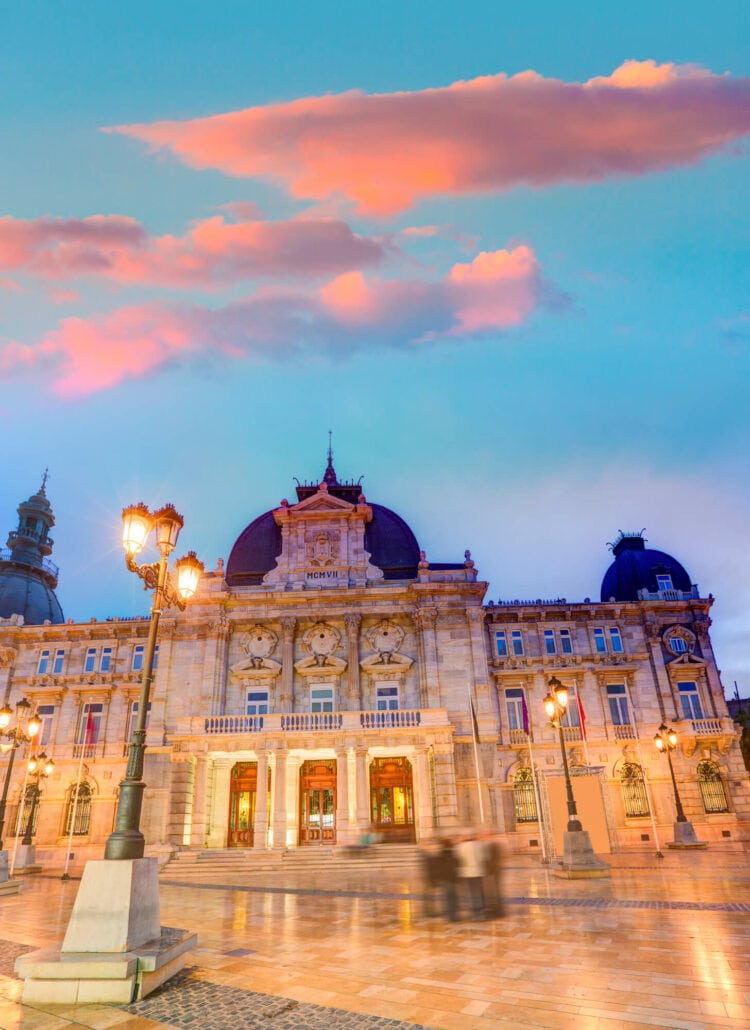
x=470, y=854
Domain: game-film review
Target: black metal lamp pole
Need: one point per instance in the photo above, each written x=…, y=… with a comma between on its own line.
x=18, y=737
x=666, y=741
x=555, y=704
x=42, y=767
x=126, y=841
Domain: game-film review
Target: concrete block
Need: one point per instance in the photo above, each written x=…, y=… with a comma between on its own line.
x=117, y=906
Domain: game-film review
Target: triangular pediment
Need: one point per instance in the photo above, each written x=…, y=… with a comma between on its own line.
x=321, y=501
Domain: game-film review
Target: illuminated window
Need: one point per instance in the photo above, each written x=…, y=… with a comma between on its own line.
x=633, y=790
x=524, y=798
x=713, y=794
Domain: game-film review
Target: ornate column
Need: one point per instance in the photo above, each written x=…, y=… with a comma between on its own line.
x=429, y=681
x=343, y=833
x=353, y=690
x=279, y=800
x=216, y=665
x=260, y=825
x=362, y=789
x=424, y=800
x=286, y=694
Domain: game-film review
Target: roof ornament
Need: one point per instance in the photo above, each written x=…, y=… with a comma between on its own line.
x=630, y=534
x=329, y=477
x=45, y=477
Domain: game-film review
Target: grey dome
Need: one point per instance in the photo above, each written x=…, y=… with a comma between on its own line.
x=23, y=591
x=27, y=577
x=636, y=567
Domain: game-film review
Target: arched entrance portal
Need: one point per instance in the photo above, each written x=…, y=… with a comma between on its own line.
x=392, y=800
x=317, y=801
x=243, y=785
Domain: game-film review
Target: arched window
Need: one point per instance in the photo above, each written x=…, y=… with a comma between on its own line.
x=633, y=790
x=712, y=787
x=524, y=798
x=82, y=810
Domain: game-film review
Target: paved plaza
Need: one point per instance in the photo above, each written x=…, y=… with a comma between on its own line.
x=665, y=943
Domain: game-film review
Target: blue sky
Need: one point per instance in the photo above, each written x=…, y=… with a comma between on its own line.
x=607, y=391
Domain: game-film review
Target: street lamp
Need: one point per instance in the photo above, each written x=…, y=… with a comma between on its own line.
x=666, y=741
x=39, y=768
x=25, y=730
x=556, y=705
x=127, y=841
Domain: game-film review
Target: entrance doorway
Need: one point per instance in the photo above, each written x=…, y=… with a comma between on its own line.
x=392, y=800
x=317, y=801
x=243, y=785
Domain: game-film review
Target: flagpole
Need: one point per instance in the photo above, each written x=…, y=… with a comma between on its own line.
x=649, y=800
x=65, y=875
x=475, y=735
x=536, y=787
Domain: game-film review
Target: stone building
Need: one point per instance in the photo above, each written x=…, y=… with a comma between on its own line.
x=330, y=681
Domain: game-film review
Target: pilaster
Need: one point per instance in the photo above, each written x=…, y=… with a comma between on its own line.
x=286, y=693
x=353, y=690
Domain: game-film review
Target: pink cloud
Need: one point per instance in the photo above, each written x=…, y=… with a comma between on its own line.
x=493, y=293
x=385, y=152
x=213, y=252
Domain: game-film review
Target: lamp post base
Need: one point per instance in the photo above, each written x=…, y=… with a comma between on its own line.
x=7, y=886
x=685, y=838
x=115, y=950
x=578, y=860
x=26, y=859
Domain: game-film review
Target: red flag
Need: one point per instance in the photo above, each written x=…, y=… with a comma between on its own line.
x=581, y=715
x=90, y=734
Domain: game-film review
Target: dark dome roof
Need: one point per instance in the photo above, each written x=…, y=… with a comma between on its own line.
x=23, y=591
x=636, y=567
x=391, y=544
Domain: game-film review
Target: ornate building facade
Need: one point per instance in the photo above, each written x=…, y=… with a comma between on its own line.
x=330, y=681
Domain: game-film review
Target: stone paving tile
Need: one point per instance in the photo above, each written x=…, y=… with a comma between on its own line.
x=189, y=1003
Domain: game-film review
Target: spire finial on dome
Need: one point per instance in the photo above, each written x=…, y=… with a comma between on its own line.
x=330, y=473
x=45, y=477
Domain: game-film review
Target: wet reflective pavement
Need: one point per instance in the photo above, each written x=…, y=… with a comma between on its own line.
x=664, y=942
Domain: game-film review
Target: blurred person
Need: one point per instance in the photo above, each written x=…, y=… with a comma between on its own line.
x=429, y=859
x=446, y=872
x=470, y=855
x=493, y=868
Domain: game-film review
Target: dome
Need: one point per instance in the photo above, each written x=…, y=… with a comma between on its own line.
x=389, y=541
x=27, y=577
x=636, y=567
x=24, y=592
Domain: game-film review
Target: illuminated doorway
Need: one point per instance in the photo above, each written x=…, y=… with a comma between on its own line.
x=392, y=800
x=243, y=785
x=317, y=801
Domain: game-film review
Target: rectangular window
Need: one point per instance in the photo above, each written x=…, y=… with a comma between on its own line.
x=43, y=666
x=256, y=702
x=566, y=641
x=549, y=642
x=664, y=582
x=156, y=657
x=514, y=708
x=105, y=665
x=137, y=663
x=618, y=704
x=134, y=718
x=600, y=644
x=46, y=714
x=321, y=699
x=690, y=701
x=89, y=664
x=90, y=728
x=501, y=644
x=59, y=665
x=386, y=697
x=616, y=641
x=572, y=716
x=517, y=641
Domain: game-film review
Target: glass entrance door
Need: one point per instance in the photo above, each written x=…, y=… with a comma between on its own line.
x=242, y=794
x=317, y=802
x=392, y=800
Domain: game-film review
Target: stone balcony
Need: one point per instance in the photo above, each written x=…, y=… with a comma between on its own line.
x=695, y=733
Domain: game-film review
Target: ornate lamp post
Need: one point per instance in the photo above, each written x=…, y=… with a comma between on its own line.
x=126, y=840
x=39, y=768
x=578, y=859
x=665, y=741
x=556, y=705
x=23, y=733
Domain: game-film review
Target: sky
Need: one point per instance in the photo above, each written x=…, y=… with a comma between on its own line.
x=500, y=251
